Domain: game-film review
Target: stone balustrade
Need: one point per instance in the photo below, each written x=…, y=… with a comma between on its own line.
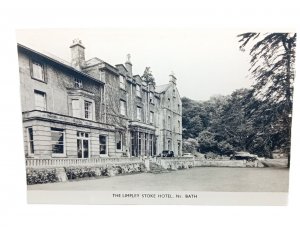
x=53, y=163
x=175, y=162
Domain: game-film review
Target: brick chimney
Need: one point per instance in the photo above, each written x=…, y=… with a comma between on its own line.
x=77, y=54
x=128, y=65
x=172, y=78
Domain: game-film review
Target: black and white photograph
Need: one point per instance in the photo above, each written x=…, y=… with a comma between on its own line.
x=157, y=116
x=149, y=113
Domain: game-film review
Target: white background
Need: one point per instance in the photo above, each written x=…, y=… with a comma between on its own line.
x=254, y=14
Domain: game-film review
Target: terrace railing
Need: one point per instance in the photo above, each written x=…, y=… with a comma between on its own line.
x=40, y=163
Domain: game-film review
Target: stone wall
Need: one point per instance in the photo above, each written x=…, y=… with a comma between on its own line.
x=225, y=163
x=189, y=162
x=176, y=163
x=42, y=136
x=56, y=87
x=170, y=107
x=41, y=171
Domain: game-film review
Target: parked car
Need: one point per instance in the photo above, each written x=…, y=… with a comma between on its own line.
x=242, y=155
x=166, y=153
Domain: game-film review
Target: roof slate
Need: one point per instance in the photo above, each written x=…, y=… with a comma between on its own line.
x=162, y=88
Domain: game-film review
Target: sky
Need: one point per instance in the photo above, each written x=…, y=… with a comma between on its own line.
x=205, y=62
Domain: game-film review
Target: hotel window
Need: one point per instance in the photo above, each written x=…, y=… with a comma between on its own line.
x=151, y=98
x=169, y=103
x=57, y=141
x=88, y=110
x=178, y=147
x=169, y=145
x=83, y=145
x=179, y=126
x=139, y=143
x=133, y=150
x=119, y=140
x=122, y=107
x=146, y=144
x=122, y=82
x=151, y=117
x=169, y=122
x=151, y=144
x=138, y=113
x=37, y=71
x=76, y=111
x=138, y=91
x=40, y=100
x=30, y=140
x=102, y=143
x=77, y=83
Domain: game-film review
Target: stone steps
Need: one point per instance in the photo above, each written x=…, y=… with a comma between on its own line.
x=157, y=169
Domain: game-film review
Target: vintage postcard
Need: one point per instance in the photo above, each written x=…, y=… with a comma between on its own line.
x=156, y=116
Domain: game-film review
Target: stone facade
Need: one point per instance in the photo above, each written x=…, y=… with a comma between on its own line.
x=91, y=109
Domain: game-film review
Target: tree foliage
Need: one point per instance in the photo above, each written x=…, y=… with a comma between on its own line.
x=233, y=123
x=147, y=77
x=272, y=66
x=190, y=145
x=257, y=120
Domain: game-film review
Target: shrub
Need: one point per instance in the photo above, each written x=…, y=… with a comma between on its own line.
x=142, y=167
x=80, y=172
x=110, y=171
x=41, y=176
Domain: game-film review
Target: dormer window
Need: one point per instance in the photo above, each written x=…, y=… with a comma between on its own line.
x=138, y=91
x=122, y=82
x=77, y=83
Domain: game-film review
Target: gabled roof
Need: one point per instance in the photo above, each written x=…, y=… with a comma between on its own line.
x=162, y=88
x=55, y=60
x=92, y=62
x=138, y=79
x=121, y=65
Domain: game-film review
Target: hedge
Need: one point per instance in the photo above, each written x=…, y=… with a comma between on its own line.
x=41, y=176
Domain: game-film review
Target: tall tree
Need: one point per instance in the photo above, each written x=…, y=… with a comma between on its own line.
x=147, y=77
x=273, y=68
